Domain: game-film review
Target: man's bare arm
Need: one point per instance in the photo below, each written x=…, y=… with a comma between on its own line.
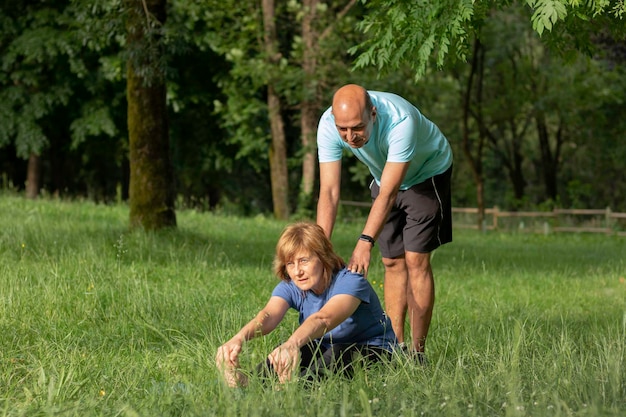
x=393, y=175
x=330, y=184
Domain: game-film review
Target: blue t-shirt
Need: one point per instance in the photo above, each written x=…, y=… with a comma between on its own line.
x=368, y=325
x=401, y=134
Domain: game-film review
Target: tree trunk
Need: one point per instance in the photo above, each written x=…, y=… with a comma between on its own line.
x=309, y=107
x=278, y=148
x=549, y=160
x=151, y=188
x=33, y=176
x=309, y=159
x=475, y=159
x=311, y=38
x=517, y=160
x=510, y=154
x=278, y=157
x=518, y=181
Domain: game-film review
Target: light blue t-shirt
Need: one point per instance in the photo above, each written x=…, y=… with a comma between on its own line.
x=400, y=134
x=368, y=325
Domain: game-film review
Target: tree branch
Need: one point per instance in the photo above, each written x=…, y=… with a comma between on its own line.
x=340, y=15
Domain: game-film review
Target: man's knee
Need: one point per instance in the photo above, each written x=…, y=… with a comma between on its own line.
x=394, y=264
x=418, y=263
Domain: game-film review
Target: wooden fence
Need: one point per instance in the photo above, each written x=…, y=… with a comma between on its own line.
x=556, y=221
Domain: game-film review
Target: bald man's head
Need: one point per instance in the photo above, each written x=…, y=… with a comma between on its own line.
x=354, y=114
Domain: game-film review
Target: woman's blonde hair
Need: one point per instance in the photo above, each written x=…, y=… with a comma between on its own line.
x=309, y=237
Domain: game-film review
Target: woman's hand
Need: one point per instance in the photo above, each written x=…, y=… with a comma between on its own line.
x=227, y=361
x=228, y=354
x=284, y=360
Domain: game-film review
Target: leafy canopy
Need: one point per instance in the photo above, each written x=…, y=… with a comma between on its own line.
x=421, y=32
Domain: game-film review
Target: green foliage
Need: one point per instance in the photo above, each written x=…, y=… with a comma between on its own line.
x=34, y=47
x=536, y=81
x=62, y=91
x=232, y=31
x=546, y=14
x=427, y=32
x=45, y=66
x=98, y=321
x=424, y=31
x=96, y=120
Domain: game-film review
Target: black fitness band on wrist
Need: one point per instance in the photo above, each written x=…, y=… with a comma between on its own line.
x=367, y=238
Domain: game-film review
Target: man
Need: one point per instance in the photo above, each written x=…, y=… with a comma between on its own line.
x=411, y=162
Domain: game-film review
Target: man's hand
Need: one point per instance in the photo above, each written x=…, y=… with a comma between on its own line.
x=360, y=260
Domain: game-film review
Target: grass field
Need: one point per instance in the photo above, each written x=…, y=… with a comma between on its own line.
x=98, y=321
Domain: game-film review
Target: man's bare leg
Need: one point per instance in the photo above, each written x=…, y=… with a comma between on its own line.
x=395, y=294
x=420, y=297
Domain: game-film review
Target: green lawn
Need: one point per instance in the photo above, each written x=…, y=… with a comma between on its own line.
x=95, y=320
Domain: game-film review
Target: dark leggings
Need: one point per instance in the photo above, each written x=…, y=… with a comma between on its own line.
x=317, y=361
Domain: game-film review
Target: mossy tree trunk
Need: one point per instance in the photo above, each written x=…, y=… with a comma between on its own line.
x=151, y=188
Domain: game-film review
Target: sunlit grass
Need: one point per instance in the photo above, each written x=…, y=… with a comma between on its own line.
x=96, y=320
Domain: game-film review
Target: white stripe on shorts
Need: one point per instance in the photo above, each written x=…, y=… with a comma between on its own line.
x=432, y=179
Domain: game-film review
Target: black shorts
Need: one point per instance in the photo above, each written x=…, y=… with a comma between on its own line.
x=420, y=220
x=317, y=361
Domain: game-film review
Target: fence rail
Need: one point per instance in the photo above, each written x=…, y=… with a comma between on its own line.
x=556, y=221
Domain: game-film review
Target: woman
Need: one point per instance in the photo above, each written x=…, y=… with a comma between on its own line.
x=339, y=313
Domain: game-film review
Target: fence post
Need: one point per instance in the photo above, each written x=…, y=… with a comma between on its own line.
x=556, y=216
x=607, y=221
x=496, y=210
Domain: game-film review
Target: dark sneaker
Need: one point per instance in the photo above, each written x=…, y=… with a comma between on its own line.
x=406, y=351
x=421, y=358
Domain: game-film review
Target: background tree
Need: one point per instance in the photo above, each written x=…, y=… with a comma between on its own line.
x=316, y=32
x=278, y=146
x=217, y=166
x=151, y=179
x=539, y=117
x=594, y=172
x=508, y=106
x=53, y=92
x=423, y=33
x=235, y=31
x=36, y=79
x=296, y=73
x=63, y=80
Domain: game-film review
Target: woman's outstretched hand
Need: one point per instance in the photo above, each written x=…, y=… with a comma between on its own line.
x=227, y=361
x=284, y=360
